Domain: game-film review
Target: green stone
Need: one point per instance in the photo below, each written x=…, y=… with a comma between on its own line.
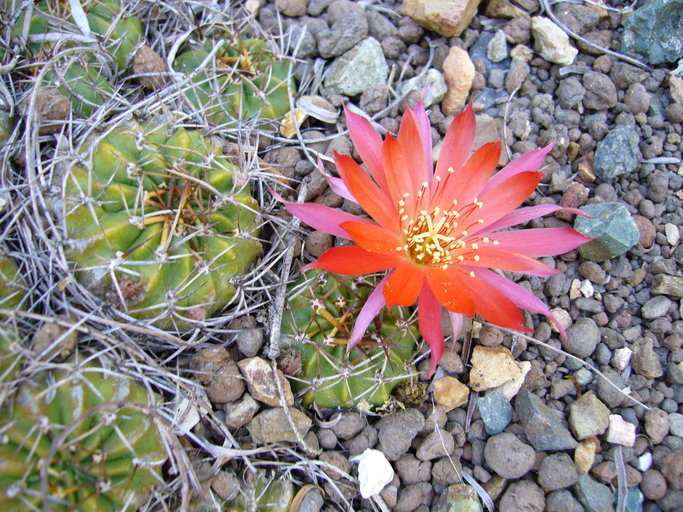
x=611, y=225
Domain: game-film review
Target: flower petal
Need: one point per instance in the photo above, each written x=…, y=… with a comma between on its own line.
x=422, y=121
x=457, y=320
x=398, y=174
x=351, y=260
x=520, y=296
x=495, y=257
x=374, y=303
x=374, y=238
x=339, y=187
x=410, y=137
x=522, y=215
x=404, y=285
x=373, y=199
x=450, y=290
x=541, y=242
x=320, y=217
x=530, y=161
x=429, y=321
x=368, y=143
x=457, y=144
x=493, y=305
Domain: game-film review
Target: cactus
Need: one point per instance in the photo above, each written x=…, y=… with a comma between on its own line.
x=318, y=319
x=261, y=492
x=78, y=429
x=12, y=291
x=12, y=294
x=244, y=80
x=158, y=223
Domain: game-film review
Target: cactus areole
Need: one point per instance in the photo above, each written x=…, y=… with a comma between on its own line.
x=320, y=314
x=159, y=223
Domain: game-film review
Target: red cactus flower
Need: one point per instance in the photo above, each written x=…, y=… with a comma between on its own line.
x=439, y=231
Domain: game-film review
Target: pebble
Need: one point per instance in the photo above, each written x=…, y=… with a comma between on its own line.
x=622, y=357
x=240, y=412
x=291, y=7
x=653, y=485
x=618, y=153
x=508, y=456
x=458, y=498
x=614, y=230
x=437, y=444
x=260, y=380
x=595, y=496
x=348, y=425
x=397, y=431
x=672, y=468
x=676, y=424
x=562, y=501
x=445, y=17
x=411, y=470
x=647, y=231
x=645, y=360
x=432, y=82
x=588, y=416
x=656, y=307
x=495, y=411
x=497, y=48
x=542, y=426
x=668, y=285
x=361, y=67
x=601, y=93
x=343, y=35
x=450, y=393
x=275, y=425
x=218, y=373
x=551, y=42
x=458, y=71
x=620, y=431
x=491, y=367
x=584, y=455
x=523, y=496
x=582, y=337
x=557, y=471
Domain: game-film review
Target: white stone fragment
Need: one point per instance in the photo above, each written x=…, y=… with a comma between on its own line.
x=374, y=472
x=552, y=43
x=645, y=462
x=586, y=288
x=510, y=389
x=575, y=289
x=186, y=416
x=621, y=358
x=563, y=317
x=621, y=431
x=672, y=234
x=432, y=82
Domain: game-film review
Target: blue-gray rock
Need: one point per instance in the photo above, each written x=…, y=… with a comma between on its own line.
x=435, y=83
x=562, y=501
x=594, y=496
x=634, y=500
x=654, y=31
x=542, y=426
x=343, y=35
x=618, y=153
x=611, y=225
x=495, y=411
x=458, y=498
x=301, y=41
x=557, y=471
x=358, y=69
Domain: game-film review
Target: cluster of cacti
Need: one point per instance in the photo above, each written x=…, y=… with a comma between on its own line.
x=260, y=492
x=320, y=314
x=78, y=72
x=158, y=222
x=79, y=439
x=244, y=79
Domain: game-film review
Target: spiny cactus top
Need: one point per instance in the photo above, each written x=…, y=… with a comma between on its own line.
x=244, y=80
x=80, y=431
x=158, y=222
x=320, y=314
x=261, y=491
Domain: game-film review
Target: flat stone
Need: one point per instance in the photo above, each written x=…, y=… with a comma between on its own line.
x=653, y=31
x=588, y=416
x=495, y=411
x=668, y=285
x=584, y=456
x=450, y=393
x=611, y=225
x=594, y=496
x=241, y=412
x=435, y=85
x=551, y=42
x=618, y=153
x=448, y=18
x=261, y=384
x=458, y=71
x=274, y=426
x=655, y=307
x=542, y=426
x=458, y=498
x=645, y=360
x=491, y=367
x=360, y=68
x=621, y=431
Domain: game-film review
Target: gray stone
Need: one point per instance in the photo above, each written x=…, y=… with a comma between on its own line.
x=361, y=67
x=497, y=49
x=435, y=83
x=668, y=285
x=601, y=93
x=495, y=411
x=582, y=337
x=634, y=500
x=261, y=383
x=655, y=307
x=342, y=36
x=301, y=41
x=594, y=496
x=645, y=360
x=396, y=432
x=379, y=26
x=557, y=471
x=241, y=412
x=542, y=426
x=458, y=498
x=523, y=496
x=611, y=225
x=676, y=424
x=562, y=501
x=348, y=425
x=439, y=443
x=508, y=456
x=588, y=416
x=618, y=153
x=654, y=31
x=275, y=425
x=570, y=92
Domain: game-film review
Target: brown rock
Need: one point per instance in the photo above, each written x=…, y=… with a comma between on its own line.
x=647, y=231
x=653, y=485
x=53, y=108
x=54, y=342
x=607, y=472
x=575, y=196
x=448, y=18
x=218, y=373
x=261, y=383
x=275, y=425
x=151, y=67
x=458, y=71
x=585, y=168
x=241, y=412
x=450, y=393
x=503, y=9
x=657, y=425
x=294, y=8
x=672, y=468
x=668, y=285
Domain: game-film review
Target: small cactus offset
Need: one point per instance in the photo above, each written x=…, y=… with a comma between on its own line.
x=318, y=319
x=158, y=222
x=244, y=80
x=81, y=438
x=262, y=492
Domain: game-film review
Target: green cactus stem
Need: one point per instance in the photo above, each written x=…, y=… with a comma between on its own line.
x=76, y=433
x=262, y=492
x=320, y=314
x=159, y=224
x=244, y=80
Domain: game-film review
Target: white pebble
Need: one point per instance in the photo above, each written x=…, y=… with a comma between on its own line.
x=374, y=472
x=672, y=234
x=621, y=358
x=645, y=461
x=620, y=431
x=586, y=288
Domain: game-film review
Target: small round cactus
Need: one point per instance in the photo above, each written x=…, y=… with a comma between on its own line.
x=79, y=437
x=320, y=314
x=158, y=223
x=245, y=80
